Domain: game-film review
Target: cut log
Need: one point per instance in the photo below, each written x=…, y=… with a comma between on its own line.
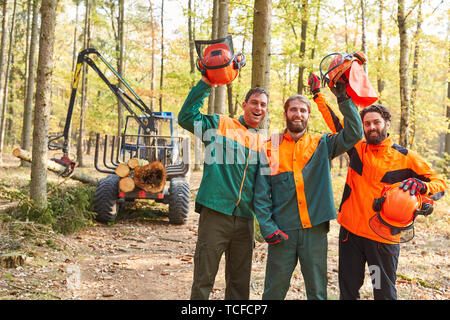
x=151, y=177
x=127, y=184
x=136, y=162
x=55, y=167
x=122, y=170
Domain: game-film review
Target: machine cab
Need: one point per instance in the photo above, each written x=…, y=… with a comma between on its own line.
x=161, y=143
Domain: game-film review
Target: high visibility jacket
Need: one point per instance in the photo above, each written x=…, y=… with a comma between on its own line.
x=371, y=168
x=293, y=187
x=231, y=156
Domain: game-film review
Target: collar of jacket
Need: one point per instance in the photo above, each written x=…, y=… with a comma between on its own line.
x=288, y=137
x=242, y=121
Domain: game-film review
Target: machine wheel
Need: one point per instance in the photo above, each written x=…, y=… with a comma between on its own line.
x=179, y=196
x=105, y=199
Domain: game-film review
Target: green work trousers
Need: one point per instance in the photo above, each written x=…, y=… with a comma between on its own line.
x=309, y=247
x=219, y=233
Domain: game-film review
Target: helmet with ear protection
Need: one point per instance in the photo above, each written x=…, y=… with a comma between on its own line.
x=217, y=60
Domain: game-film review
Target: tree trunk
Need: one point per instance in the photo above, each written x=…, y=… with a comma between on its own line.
x=38, y=184
x=5, y=88
x=415, y=74
x=197, y=140
x=28, y=102
x=380, y=82
x=152, y=72
x=120, y=62
x=214, y=33
x=161, y=81
x=363, y=31
x=447, y=134
x=302, y=53
x=316, y=30
x=191, y=42
x=2, y=61
x=222, y=32
x=403, y=69
x=261, y=48
x=82, y=132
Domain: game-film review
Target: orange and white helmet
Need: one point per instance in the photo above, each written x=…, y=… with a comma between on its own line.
x=396, y=211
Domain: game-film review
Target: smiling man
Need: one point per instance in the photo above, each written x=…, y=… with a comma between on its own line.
x=225, y=197
x=294, y=197
x=375, y=162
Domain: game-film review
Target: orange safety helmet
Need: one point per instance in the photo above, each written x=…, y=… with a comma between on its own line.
x=358, y=85
x=217, y=60
x=396, y=211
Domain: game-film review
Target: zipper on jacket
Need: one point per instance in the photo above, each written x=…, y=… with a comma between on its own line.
x=242, y=182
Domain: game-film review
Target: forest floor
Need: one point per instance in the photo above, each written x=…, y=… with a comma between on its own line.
x=144, y=257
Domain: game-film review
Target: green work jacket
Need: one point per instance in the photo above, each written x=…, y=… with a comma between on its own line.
x=231, y=156
x=294, y=189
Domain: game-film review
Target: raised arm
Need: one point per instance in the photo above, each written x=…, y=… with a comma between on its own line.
x=352, y=132
x=190, y=117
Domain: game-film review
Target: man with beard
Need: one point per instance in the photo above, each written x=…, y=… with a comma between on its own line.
x=224, y=199
x=375, y=162
x=294, y=197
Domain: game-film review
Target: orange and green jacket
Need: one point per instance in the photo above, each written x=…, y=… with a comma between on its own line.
x=293, y=185
x=371, y=168
x=231, y=156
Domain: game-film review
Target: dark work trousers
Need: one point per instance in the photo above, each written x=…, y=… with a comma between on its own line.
x=307, y=246
x=219, y=233
x=381, y=258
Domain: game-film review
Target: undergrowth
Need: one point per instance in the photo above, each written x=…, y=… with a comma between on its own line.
x=69, y=208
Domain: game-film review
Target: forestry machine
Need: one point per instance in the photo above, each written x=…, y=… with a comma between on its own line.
x=149, y=138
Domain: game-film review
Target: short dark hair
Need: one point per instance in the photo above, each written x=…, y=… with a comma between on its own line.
x=383, y=111
x=255, y=90
x=300, y=98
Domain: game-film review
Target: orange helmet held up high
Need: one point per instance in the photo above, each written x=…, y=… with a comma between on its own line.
x=396, y=211
x=217, y=60
x=342, y=67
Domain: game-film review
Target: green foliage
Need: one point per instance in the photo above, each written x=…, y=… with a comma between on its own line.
x=68, y=210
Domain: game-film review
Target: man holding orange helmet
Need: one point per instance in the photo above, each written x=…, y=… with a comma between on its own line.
x=376, y=162
x=224, y=199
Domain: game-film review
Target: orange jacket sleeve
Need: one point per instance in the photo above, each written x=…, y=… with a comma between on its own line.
x=330, y=114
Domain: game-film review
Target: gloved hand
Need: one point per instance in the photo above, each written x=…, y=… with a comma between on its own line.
x=314, y=84
x=340, y=90
x=276, y=237
x=415, y=185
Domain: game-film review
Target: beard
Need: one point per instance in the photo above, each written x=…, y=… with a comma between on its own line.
x=296, y=127
x=377, y=138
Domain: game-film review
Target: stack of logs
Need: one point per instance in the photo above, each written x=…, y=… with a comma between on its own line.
x=150, y=177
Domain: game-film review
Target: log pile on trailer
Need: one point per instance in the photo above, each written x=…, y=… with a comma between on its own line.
x=150, y=177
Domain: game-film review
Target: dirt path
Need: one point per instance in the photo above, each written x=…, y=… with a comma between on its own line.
x=149, y=259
